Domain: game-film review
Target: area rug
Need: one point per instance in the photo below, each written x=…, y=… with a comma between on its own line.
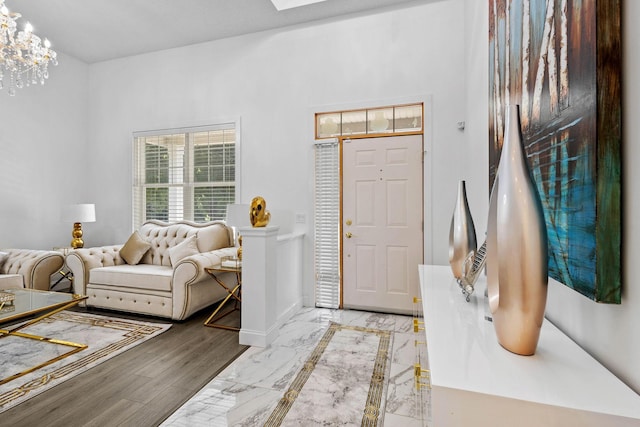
x=343, y=382
x=105, y=338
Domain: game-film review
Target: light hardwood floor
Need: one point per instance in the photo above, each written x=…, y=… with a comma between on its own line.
x=140, y=387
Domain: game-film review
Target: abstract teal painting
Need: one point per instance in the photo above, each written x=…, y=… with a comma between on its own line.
x=560, y=60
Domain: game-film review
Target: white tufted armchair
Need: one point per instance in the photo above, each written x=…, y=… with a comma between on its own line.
x=155, y=286
x=29, y=268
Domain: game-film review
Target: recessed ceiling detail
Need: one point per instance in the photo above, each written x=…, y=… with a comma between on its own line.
x=290, y=4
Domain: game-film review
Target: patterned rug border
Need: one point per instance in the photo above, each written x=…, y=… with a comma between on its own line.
x=134, y=332
x=371, y=411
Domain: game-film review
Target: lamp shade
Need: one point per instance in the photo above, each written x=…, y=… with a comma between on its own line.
x=85, y=212
x=238, y=215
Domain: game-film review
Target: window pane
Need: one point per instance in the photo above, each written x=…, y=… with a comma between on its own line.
x=217, y=173
x=157, y=161
x=230, y=174
x=210, y=203
x=380, y=120
x=354, y=122
x=157, y=203
x=408, y=118
x=201, y=174
x=214, y=156
x=201, y=163
x=328, y=125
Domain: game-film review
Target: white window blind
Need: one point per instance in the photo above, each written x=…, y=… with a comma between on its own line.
x=327, y=223
x=184, y=174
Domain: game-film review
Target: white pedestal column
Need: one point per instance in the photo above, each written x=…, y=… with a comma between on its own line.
x=259, y=285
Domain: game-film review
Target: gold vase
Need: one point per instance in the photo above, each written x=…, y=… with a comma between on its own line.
x=462, y=234
x=517, y=271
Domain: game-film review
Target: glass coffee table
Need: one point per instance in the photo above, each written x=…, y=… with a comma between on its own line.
x=17, y=304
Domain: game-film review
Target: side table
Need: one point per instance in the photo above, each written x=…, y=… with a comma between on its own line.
x=234, y=292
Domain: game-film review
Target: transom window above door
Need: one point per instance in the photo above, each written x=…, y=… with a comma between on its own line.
x=184, y=174
x=379, y=120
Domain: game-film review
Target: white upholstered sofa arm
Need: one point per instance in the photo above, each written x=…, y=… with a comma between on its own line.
x=191, y=270
x=80, y=261
x=35, y=266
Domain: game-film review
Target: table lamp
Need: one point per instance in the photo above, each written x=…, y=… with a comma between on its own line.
x=78, y=214
x=237, y=217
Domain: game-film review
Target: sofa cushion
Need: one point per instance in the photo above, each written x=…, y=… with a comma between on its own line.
x=141, y=276
x=11, y=281
x=134, y=249
x=183, y=249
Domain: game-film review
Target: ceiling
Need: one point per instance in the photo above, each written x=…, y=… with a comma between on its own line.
x=99, y=30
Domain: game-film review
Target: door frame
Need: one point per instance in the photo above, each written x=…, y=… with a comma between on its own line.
x=341, y=141
x=427, y=180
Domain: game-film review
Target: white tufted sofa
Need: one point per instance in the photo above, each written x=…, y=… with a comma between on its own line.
x=29, y=268
x=155, y=286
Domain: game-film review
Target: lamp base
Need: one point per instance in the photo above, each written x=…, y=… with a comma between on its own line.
x=77, y=241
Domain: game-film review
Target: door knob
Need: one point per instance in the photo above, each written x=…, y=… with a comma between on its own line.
x=349, y=235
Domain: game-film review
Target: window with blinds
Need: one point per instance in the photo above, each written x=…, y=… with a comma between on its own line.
x=327, y=224
x=184, y=174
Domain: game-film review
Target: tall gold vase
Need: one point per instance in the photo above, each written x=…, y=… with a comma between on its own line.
x=517, y=271
x=462, y=234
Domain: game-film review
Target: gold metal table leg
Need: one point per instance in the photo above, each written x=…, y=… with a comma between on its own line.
x=14, y=332
x=234, y=293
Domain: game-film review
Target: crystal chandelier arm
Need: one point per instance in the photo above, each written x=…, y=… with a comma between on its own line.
x=24, y=58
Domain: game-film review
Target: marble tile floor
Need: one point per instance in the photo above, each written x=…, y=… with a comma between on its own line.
x=249, y=389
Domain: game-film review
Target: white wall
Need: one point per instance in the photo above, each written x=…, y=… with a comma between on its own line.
x=63, y=143
x=43, y=133
x=274, y=80
x=476, y=151
x=607, y=332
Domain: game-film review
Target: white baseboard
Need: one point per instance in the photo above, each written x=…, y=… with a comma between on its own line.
x=258, y=338
x=288, y=313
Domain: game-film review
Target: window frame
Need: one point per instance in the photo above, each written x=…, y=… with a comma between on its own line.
x=188, y=183
x=368, y=113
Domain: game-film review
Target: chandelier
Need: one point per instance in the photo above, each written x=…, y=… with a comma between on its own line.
x=24, y=58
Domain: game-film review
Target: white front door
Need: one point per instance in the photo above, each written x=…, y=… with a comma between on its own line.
x=382, y=236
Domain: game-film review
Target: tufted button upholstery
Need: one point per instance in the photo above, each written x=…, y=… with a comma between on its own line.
x=155, y=286
x=163, y=236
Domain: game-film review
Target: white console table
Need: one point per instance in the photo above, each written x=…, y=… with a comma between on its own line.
x=476, y=382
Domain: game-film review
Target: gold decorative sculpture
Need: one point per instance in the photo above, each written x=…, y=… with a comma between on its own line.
x=258, y=214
